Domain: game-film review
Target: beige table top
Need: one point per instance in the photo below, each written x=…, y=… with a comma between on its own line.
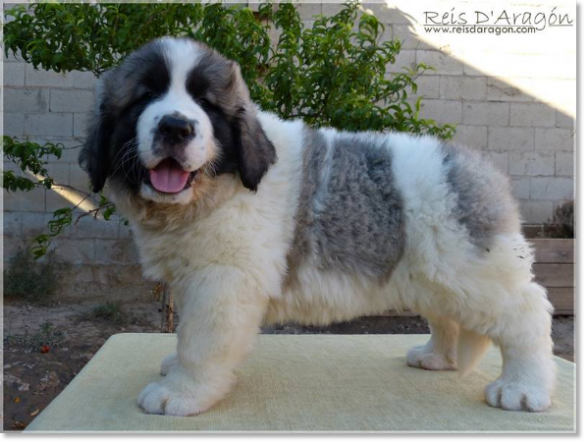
x=311, y=383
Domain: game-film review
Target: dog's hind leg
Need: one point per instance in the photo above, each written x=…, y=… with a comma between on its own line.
x=528, y=370
x=440, y=352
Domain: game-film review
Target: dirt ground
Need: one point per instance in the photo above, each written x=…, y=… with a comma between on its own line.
x=45, y=347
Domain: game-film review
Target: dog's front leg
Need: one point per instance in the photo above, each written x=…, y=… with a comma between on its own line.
x=220, y=313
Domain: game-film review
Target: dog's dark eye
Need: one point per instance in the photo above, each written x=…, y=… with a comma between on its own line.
x=208, y=105
x=147, y=95
x=205, y=103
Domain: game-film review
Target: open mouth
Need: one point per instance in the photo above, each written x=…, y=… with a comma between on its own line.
x=170, y=178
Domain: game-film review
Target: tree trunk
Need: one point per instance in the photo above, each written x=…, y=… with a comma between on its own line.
x=167, y=310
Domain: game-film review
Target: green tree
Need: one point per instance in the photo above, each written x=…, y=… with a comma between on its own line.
x=333, y=73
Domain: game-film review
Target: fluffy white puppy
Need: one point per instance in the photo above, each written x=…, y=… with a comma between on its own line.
x=252, y=220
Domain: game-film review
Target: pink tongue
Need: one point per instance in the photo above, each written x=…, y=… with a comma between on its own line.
x=169, y=177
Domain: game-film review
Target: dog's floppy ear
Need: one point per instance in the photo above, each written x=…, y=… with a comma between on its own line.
x=94, y=157
x=256, y=153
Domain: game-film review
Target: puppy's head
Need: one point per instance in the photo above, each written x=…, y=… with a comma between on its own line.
x=173, y=114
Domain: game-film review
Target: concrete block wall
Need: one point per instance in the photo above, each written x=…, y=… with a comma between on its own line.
x=514, y=102
x=44, y=106
x=512, y=96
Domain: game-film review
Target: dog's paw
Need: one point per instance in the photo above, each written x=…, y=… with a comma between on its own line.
x=421, y=357
x=515, y=395
x=168, y=363
x=176, y=395
x=157, y=398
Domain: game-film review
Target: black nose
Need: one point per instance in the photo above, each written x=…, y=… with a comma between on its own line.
x=176, y=129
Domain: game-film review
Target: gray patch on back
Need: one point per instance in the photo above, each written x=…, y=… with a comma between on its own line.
x=350, y=216
x=485, y=205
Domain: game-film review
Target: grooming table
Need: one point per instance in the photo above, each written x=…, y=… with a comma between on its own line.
x=302, y=383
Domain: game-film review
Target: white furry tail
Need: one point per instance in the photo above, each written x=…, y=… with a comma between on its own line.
x=471, y=348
